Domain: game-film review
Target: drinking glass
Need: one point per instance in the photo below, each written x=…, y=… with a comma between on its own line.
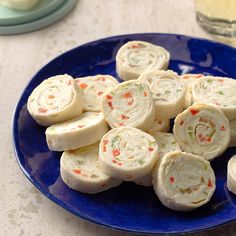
x=217, y=16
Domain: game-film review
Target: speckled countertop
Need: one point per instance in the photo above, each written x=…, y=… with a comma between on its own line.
x=23, y=209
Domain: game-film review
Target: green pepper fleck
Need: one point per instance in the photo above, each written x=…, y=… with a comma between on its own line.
x=190, y=134
x=80, y=162
x=212, y=133
x=115, y=139
x=220, y=92
x=141, y=162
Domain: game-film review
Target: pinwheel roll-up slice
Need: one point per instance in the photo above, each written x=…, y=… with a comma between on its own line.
x=232, y=126
x=93, y=88
x=129, y=104
x=56, y=99
x=183, y=181
x=189, y=79
x=202, y=129
x=80, y=171
x=159, y=126
x=218, y=91
x=168, y=92
x=231, y=174
x=136, y=57
x=127, y=153
x=166, y=143
x=84, y=130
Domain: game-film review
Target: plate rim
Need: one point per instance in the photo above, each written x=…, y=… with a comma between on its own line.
x=19, y=155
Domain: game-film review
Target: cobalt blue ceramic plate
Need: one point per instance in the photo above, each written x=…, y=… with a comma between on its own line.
x=128, y=207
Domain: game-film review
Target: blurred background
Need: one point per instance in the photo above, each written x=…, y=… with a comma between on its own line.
x=24, y=210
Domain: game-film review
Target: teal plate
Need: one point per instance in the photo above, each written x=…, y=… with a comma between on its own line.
x=13, y=17
x=46, y=19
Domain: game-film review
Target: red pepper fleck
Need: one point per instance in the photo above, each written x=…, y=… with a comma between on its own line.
x=104, y=149
x=181, y=123
x=105, y=142
x=198, y=75
x=123, y=117
x=145, y=94
x=72, y=151
x=42, y=110
x=77, y=171
x=127, y=95
x=81, y=126
x=69, y=82
x=102, y=78
x=114, y=161
x=150, y=149
x=115, y=152
x=172, y=179
x=110, y=105
x=120, y=164
x=51, y=96
x=83, y=86
x=121, y=124
x=194, y=112
x=135, y=46
x=209, y=183
x=202, y=138
x=222, y=128
x=208, y=139
x=192, y=76
x=108, y=97
x=100, y=93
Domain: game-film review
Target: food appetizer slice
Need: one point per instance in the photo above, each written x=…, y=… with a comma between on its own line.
x=129, y=104
x=82, y=131
x=127, y=153
x=56, y=99
x=183, y=181
x=189, y=79
x=168, y=92
x=159, y=126
x=232, y=126
x=136, y=57
x=218, y=91
x=93, y=88
x=231, y=174
x=166, y=143
x=202, y=129
x=80, y=170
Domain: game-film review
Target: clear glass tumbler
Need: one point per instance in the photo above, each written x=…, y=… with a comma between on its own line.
x=217, y=16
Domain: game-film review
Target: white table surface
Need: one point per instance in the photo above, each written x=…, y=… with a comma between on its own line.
x=24, y=210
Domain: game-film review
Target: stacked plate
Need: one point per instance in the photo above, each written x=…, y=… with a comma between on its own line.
x=41, y=15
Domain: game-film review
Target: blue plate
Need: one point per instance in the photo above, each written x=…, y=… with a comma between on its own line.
x=128, y=207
